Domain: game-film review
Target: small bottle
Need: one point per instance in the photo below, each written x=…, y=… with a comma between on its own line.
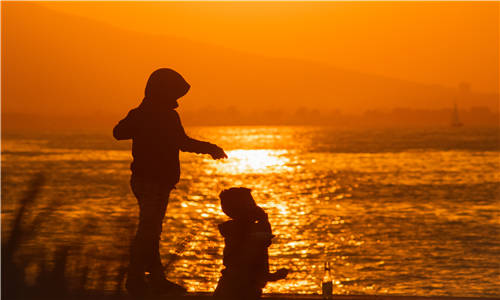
x=327, y=284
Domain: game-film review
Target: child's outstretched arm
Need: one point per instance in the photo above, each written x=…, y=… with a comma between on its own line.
x=263, y=221
x=192, y=145
x=280, y=274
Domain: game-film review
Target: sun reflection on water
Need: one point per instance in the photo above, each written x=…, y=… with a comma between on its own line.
x=403, y=222
x=260, y=161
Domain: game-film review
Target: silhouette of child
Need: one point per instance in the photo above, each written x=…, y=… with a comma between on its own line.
x=247, y=236
x=157, y=137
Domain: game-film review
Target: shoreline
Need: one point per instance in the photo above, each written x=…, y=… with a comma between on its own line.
x=343, y=297
x=208, y=296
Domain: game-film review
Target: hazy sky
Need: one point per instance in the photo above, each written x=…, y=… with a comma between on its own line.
x=428, y=42
x=92, y=59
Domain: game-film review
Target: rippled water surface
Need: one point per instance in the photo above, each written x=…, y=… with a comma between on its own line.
x=413, y=212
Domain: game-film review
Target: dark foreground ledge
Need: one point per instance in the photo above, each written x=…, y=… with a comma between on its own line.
x=208, y=296
x=370, y=297
x=375, y=297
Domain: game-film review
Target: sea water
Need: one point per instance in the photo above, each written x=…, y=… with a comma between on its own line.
x=409, y=212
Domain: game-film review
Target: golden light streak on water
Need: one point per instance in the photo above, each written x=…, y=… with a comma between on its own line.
x=417, y=220
x=260, y=161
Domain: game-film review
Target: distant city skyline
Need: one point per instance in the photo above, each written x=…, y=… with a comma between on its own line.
x=302, y=116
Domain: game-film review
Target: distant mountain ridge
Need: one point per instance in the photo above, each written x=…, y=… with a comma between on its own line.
x=57, y=64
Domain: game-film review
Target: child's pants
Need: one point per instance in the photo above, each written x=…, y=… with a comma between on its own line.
x=152, y=198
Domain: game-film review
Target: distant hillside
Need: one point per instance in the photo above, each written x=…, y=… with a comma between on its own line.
x=57, y=64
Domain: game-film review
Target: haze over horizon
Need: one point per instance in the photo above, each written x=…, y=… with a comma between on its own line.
x=88, y=58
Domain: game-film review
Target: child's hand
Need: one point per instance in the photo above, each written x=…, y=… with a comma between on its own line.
x=218, y=153
x=282, y=273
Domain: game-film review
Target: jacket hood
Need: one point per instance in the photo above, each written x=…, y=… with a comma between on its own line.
x=166, y=84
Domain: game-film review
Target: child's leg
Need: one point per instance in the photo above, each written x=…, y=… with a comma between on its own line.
x=152, y=198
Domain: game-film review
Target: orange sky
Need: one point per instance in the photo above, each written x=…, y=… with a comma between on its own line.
x=75, y=59
x=428, y=42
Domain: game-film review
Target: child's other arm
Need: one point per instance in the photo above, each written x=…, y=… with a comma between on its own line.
x=125, y=129
x=265, y=226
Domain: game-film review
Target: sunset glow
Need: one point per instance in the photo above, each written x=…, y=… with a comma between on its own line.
x=252, y=63
x=254, y=161
x=351, y=145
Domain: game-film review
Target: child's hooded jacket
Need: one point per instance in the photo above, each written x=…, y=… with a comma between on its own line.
x=245, y=252
x=156, y=130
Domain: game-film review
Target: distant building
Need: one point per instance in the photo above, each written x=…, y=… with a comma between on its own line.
x=463, y=94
